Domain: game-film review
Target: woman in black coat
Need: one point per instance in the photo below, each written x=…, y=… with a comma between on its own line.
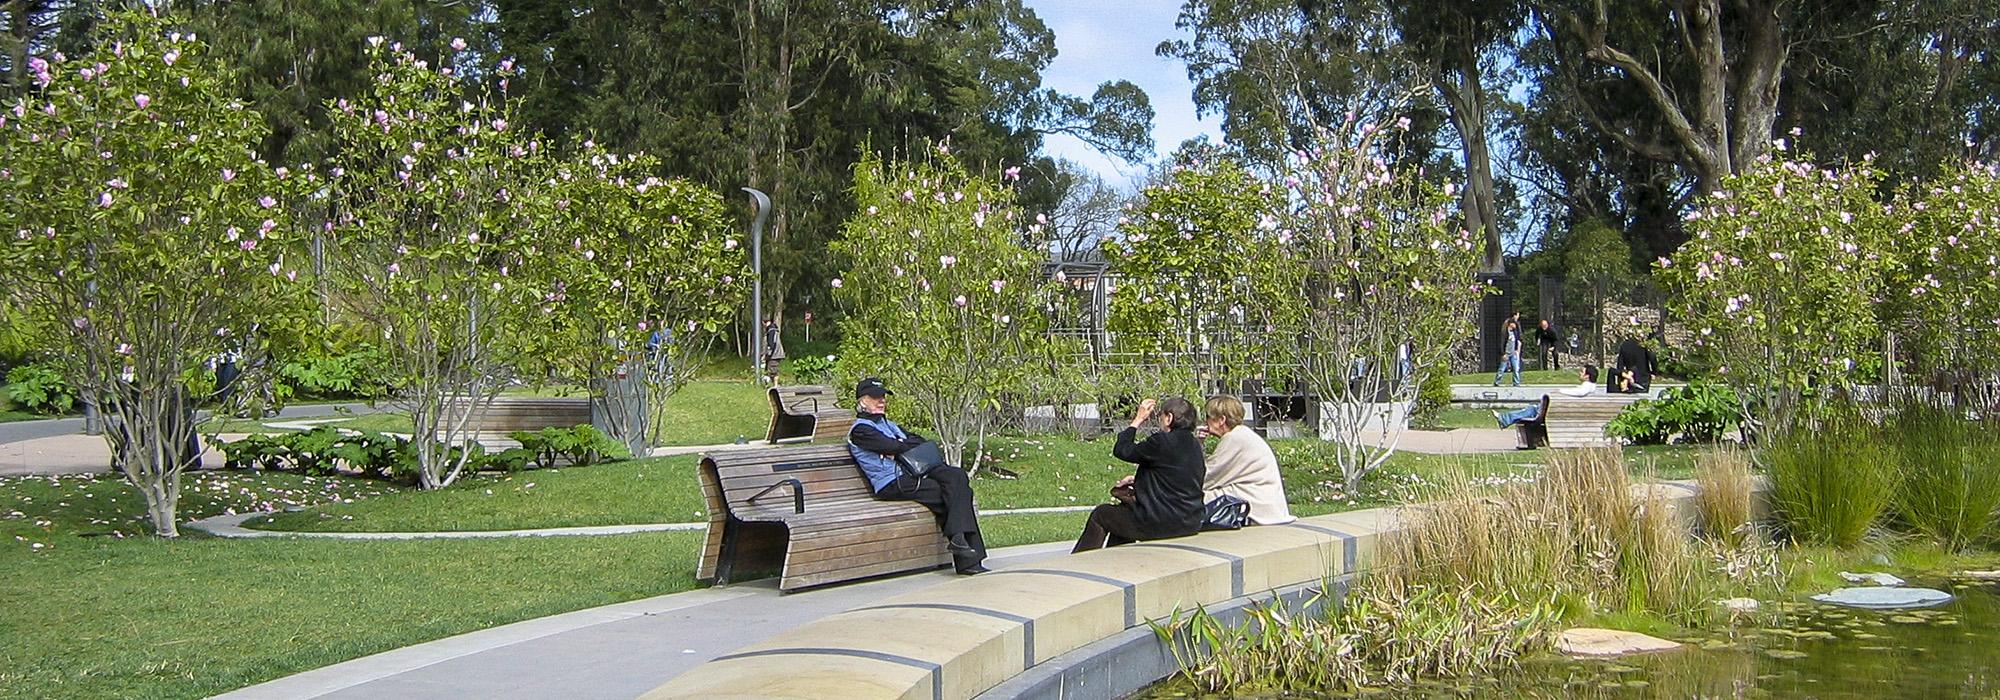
x=1161, y=500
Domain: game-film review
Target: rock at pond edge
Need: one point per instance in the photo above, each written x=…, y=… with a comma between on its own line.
x=1603, y=643
x=1885, y=598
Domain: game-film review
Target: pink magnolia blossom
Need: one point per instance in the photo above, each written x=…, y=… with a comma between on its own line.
x=1012, y=173
x=836, y=283
x=266, y=202
x=395, y=268
x=947, y=261
x=104, y=200
x=247, y=245
x=959, y=301
x=998, y=285
x=457, y=43
x=142, y=99
x=729, y=244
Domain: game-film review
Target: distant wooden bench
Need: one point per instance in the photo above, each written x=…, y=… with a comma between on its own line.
x=1571, y=421
x=808, y=512
x=807, y=413
x=510, y=413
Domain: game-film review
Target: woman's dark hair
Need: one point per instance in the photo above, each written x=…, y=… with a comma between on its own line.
x=1181, y=411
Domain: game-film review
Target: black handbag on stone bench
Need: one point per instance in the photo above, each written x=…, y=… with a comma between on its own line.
x=920, y=460
x=1226, y=512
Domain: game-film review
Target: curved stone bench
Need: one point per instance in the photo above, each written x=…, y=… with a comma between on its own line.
x=958, y=639
x=964, y=638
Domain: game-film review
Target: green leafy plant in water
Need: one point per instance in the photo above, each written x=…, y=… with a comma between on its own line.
x=40, y=388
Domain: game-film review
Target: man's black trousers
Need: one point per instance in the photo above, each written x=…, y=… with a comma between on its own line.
x=947, y=491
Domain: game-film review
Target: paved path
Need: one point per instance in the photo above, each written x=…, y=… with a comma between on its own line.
x=617, y=651
x=1450, y=442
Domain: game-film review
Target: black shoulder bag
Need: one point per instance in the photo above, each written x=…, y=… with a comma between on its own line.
x=1225, y=512
x=920, y=460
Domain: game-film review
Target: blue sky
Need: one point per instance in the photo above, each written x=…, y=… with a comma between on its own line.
x=1098, y=41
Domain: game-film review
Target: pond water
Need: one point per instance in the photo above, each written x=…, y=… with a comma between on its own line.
x=1815, y=651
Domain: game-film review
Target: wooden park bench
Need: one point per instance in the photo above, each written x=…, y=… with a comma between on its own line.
x=809, y=513
x=807, y=414
x=1572, y=421
x=510, y=413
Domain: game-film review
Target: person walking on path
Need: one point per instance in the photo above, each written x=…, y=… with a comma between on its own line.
x=875, y=441
x=774, y=350
x=1545, y=336
x=1163, y=499
x=1510, y=350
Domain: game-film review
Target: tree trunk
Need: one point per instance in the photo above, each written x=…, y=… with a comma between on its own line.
x=1465, y=101
x=150, y=437
x=1762, y=73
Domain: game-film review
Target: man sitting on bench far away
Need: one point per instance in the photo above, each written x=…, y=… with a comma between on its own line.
x=946, y=490
x=1588, y=377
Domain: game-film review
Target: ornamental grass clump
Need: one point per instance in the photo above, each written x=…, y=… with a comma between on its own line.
x=1949, y=475
x=1723, y=500
x=1481, y=577
x=1831, y=478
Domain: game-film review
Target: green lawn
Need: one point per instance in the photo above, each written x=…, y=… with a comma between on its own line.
x=715, y=411
x=1053, y=471
x=1455, y=418
x=1565, y=377
x=89, y=609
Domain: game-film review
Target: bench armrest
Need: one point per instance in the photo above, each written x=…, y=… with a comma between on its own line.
x=798, y=494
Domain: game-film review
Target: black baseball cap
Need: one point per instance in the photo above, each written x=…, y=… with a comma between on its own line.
x=871, y=387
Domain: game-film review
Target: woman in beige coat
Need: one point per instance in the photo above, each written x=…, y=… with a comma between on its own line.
x=1243, y=465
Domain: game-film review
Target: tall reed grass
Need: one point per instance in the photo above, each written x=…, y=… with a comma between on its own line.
x=1725, y=484
x=1480, y=577
x=1949, y=469
x=1831, y=479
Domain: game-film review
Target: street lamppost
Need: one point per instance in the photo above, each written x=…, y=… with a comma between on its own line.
x=762, y=202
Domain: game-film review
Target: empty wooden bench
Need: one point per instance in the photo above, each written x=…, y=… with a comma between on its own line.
x=807, y=413
x=808, y=512
x=1572, y=421
x=510, y=413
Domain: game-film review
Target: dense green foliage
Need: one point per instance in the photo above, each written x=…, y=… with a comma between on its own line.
x=580, y=445
x=1702, y=411
x=40, y=388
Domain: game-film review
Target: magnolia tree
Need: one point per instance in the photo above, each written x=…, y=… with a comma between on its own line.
x=1781, y=278
x=1947, y=288
x=144, y=231
x=943, y=298
x=440, y=201
x=1378, y=278
x=1195, y=263
x=649, y=273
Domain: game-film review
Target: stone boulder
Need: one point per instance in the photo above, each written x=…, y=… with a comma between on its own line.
x=1602, y=643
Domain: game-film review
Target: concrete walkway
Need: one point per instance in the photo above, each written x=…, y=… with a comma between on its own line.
x=617, y=651
x=1452, y=442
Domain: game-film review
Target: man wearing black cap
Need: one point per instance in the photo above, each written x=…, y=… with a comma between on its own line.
x=946, y=490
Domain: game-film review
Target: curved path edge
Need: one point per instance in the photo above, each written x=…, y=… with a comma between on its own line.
x=231, y=526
